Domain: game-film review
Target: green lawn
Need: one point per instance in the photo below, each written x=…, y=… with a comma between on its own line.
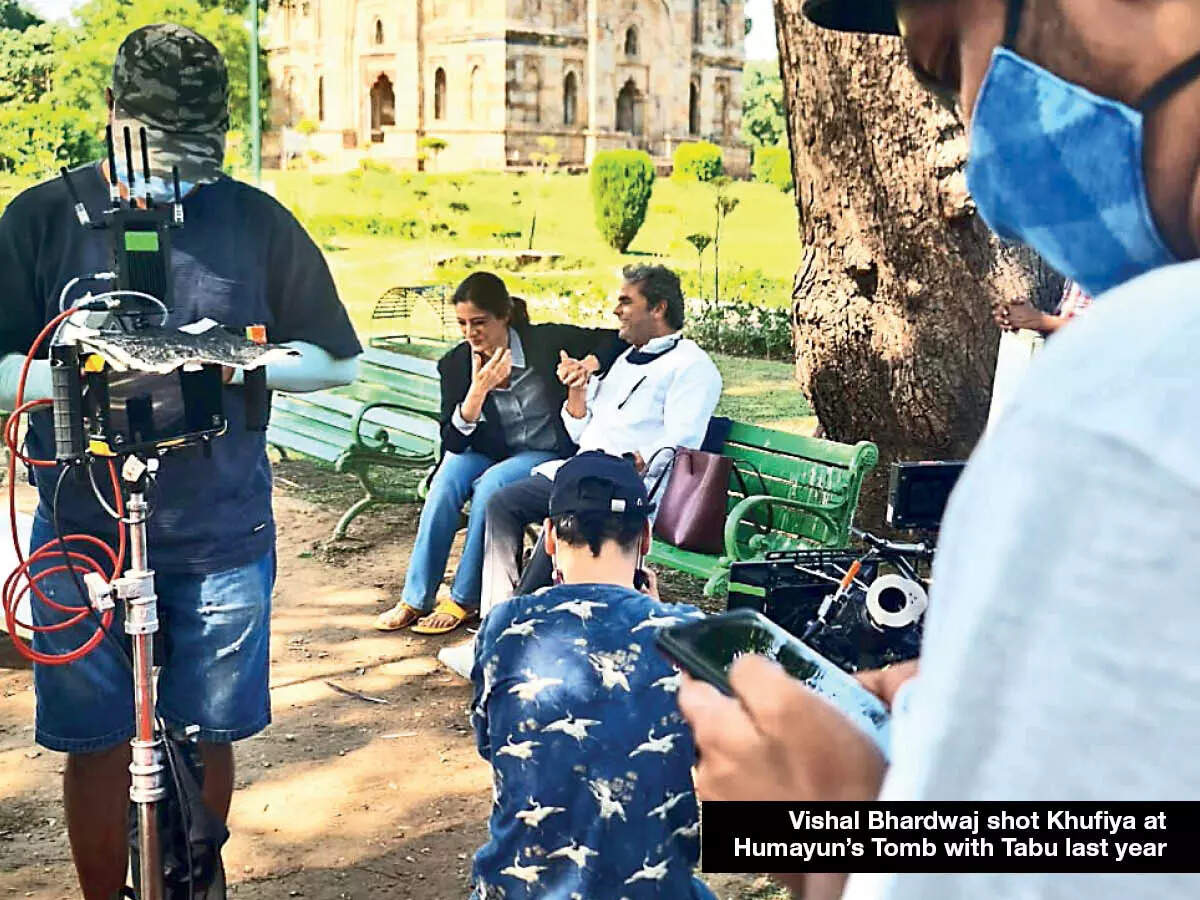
x=449, y=214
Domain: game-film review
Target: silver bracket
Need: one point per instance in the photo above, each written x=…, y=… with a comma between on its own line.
x=146, y=783
x=141, y=603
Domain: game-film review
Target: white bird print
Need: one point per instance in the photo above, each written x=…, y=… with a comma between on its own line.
x=670, y=683
x=581, y=608
x=608, y=806
x=657, y=622
x=527, y=874
x=532, y=686
x=689, y=831
x=647, y=872
x=536, y=813
x=671, y=802
x=522, y=750
x=575, y=853
x=576, y=728
x=521, y=629
x=664, y=744
x=610, y=676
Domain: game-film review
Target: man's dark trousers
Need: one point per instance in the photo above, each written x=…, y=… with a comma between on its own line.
x=510, y=510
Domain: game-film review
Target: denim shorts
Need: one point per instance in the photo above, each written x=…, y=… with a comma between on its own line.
x=213, y=647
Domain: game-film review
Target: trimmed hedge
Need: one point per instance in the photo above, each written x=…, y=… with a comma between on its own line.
x=699, y=160
x=773, y=165
x=621, y=184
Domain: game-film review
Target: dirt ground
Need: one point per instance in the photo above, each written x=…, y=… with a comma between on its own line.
x=340, y=798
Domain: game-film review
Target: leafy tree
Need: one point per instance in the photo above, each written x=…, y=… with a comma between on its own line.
x=698, y=160
x=621, y=184
x=726, y=203
x=763, y=120
x=700, y=241
x=773, y=165
x=15, y=16
x=26, y=63
x=433, y=146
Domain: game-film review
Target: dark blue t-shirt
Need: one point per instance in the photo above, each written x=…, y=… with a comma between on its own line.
x=240, y=259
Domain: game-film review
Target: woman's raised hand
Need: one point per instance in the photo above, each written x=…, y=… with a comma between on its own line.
x=487, y=376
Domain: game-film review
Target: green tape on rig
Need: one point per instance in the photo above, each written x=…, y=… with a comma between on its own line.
x=141, y=241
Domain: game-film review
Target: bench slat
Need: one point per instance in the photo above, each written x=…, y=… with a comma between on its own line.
x=280, y=436
x=331, y=430
x=400, y=362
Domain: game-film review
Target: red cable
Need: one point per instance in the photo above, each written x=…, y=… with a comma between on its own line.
x=13, y=589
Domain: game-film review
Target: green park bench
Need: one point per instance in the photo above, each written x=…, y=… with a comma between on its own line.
x=812, y=488
x=386, y=420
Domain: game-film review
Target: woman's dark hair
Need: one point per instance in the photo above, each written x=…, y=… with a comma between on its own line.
x=487, y=291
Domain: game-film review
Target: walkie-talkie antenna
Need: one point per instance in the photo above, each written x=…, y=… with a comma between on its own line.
x=81, y=212
x=129, y=161
x=178, y=196
x=146, y=167
x=114, y=188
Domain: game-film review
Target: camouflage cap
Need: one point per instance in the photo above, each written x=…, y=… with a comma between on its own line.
x=172, y=82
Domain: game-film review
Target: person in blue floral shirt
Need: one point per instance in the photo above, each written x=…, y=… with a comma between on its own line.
x=575, y=710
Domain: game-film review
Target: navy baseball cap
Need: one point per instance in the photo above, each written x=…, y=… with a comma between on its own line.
x=598, y=483
x=868, y=16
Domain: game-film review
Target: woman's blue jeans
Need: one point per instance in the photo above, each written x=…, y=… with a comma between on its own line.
x=460, y=477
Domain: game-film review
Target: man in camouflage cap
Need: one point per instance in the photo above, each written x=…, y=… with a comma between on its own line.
x=240, y=259
x=172, y=82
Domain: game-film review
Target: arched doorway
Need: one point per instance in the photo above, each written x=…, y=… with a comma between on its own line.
x=570, y=99
x=629, y=109
x=721, y=111
x=383, y=107
x=439, y=94
x=631, y=42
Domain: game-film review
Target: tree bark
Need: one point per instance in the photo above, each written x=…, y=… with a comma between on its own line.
x=891, y=303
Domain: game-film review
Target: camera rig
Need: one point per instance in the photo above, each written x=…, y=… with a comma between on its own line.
x=126, y=390
x=862, y=608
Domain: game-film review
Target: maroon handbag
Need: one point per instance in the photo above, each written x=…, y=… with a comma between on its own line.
x=691, y=513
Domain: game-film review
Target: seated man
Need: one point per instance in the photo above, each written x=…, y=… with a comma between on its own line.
x=660, y=393
x=575, y=710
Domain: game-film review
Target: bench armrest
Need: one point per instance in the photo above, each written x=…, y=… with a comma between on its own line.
x=379, y=441
x=745, y=505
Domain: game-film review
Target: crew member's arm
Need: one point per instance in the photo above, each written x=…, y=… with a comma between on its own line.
x=20, y=315
x=37, y=381
x=315, y=369
x=307, y=314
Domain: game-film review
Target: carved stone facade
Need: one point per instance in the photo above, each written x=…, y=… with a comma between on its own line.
x=491, y=77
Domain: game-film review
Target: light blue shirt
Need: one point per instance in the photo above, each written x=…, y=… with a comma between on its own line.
x=1062, y=647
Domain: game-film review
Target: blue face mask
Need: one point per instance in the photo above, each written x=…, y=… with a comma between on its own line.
x=1059, y=169
x=161, y=191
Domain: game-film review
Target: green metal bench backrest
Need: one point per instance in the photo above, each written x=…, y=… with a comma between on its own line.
x=814, y=471
x=407, y=380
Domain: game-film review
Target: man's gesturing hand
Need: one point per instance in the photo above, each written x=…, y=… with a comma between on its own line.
x=573, y=373
x=776, y=740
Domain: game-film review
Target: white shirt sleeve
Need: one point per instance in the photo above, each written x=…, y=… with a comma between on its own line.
x=575, y=427
x=457, y=420
x=691, y=398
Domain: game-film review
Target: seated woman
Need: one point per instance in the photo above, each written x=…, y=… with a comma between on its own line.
x=501, y=403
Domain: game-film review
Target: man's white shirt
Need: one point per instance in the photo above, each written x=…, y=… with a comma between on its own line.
x=641, y=408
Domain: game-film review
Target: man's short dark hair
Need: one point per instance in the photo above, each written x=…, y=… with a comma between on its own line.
x=660, y=285
x=593, y=529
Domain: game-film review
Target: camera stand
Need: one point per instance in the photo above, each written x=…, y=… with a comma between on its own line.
x=147, y=770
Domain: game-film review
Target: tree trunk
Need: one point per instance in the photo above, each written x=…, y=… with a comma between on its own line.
x=893, y=333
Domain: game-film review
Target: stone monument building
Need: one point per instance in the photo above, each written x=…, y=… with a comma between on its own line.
x=491, y=77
